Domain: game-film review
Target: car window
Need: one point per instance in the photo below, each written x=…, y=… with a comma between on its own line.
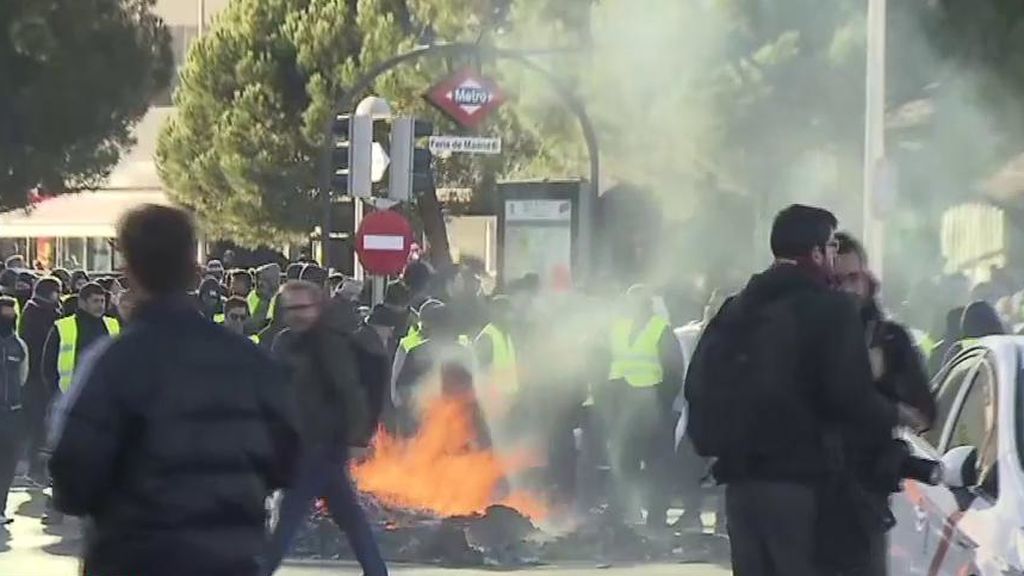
x=948, y=392
x=977, y=425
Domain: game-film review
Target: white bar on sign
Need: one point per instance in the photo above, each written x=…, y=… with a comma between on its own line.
x=375, y=242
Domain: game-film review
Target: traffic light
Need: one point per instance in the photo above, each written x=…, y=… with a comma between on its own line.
x=352, y=155
x=411, y=167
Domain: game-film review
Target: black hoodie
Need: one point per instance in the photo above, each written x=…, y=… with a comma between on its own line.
x=812, y=350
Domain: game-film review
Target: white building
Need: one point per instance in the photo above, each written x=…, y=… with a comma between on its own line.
x=77, y=230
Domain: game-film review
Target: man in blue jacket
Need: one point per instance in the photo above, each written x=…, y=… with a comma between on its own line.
x=174, y=434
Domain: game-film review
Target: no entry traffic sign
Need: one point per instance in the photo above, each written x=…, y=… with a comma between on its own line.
x=383, y=242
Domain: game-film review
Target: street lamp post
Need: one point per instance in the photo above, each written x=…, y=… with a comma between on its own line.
x=874, y=133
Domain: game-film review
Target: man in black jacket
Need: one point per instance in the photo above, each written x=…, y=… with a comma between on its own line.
x=174, y=434
x=13, y=372
x=35, y=323
x=805, y=371
x=338, y=380
x=896, y=367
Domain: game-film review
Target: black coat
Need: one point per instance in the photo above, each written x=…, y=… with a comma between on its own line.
x=37, y=320
x=819, y=361
x=171, y=441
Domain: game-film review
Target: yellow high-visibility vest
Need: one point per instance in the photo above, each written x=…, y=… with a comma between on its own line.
x=67, y=329
x=504, y=368
x=218, y=318
x=254, y=301
x=638, y=362
x=414, y=339
x=255, y=338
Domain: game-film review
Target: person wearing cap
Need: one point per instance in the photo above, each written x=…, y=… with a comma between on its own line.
x=210, y=300
x=34, y=325
x=15, y=262
x=14, y=368
x=645, y=373
x=392, y=315
x=215, y=270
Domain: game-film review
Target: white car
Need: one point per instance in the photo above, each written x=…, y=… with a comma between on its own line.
x=973, y=525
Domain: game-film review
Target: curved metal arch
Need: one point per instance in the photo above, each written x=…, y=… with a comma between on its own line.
x=347, y=102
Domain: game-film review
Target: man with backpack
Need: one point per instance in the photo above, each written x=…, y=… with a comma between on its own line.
x=339, y=376
x=782, y=365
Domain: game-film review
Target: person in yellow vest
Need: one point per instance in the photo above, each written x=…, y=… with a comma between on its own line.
x=645, y=374
x=236, y=314
x=263, y=299
x=68, y=340
x=496, y=358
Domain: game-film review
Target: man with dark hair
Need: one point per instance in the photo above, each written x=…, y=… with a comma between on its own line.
x=338, y=381
x=34, y=325
x=215, y=270
x=67, y=341
x=210, y=299
x=236, y=315
x=897, y=370
x=172, y=455
x=315, y=275
x=13, y=373
x=780, y=365
x=239, y=283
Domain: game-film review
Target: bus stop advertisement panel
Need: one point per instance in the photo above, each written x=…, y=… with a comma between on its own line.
x=543, y=229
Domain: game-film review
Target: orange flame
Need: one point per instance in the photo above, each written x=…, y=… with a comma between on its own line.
x=441, y=470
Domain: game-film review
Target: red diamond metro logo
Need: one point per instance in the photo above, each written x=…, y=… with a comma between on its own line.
x=466, y=97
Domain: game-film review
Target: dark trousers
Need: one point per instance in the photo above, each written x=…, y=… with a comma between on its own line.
x=323, y=473
x=877, y=559
x=640, y=437
x=35, y=435
x=11, y=441
x=772, y=528
x=691, y=471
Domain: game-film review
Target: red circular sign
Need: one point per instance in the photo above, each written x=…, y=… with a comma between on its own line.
x=383, y=242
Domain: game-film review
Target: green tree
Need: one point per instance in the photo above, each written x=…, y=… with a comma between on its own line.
x=256, y=91
x=75, y=76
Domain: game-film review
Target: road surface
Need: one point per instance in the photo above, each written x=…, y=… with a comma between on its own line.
x=30, y=549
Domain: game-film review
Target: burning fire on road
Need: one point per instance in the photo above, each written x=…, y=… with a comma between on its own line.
x=444, y=470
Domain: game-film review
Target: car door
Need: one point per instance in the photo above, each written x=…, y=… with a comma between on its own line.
x=920, y=509
x=967, y=512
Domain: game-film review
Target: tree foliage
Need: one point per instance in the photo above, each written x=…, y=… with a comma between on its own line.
x=256, y=91
x=75, y=76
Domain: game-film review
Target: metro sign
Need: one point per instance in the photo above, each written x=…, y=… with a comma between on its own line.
x=466, y=97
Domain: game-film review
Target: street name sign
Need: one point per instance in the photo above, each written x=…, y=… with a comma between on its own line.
x=440, y=145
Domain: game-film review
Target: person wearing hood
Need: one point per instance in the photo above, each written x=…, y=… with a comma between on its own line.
x=23, y=288
x=13, y=375
x=779, y=365
x=645, y=374
x=950, y=336
x=69, y=303
x=15, y=262
x=263, y=300
x=215, y=270
x=65, y=280
x=34, y=324
x=333, y=372
x=210, y=299
x=979, y=320
x=9, y=285
x=392, y=315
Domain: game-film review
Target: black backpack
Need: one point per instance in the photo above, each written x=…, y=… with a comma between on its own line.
x=736, y=371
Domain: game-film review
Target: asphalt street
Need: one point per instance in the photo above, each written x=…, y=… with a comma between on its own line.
x=28, y=548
